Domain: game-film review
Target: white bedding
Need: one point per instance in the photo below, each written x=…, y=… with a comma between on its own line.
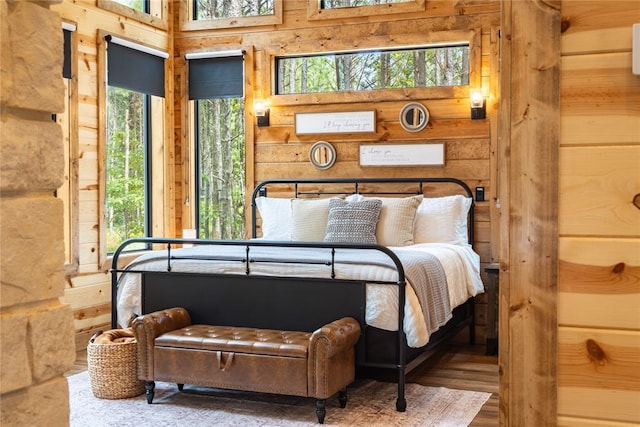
x=460, y=263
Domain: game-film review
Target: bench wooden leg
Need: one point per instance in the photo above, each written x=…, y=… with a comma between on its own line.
x=321, y=410
x=180, y=387
x=149, y=389
x=342, y=397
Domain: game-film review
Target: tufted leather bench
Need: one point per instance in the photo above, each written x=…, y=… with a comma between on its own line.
x=318, y=364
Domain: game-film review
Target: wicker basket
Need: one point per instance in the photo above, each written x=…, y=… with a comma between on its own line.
x=112, y=361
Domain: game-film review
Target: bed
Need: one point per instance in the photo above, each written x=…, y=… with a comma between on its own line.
x=328, y=248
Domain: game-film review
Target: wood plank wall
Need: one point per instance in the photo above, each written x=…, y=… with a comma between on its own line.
x=529, y=138
x=88, y=289
x=599, y=224
x=279, y=153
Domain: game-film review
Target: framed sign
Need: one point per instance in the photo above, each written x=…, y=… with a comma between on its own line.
x=402, y=154
x=342, y=122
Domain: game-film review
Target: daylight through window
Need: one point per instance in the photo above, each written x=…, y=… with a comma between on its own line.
x=371, y=70
x=334, y=4
x=140, y=5
x=214, y=9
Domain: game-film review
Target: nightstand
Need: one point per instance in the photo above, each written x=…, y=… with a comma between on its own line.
x=493, y=286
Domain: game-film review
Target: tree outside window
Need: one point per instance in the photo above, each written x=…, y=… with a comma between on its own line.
x=127, y=215
x=371, y=70
x=215, y=9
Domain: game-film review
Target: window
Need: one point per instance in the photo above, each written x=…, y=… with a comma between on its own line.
x=214, y=9
x=214, y=14
x=68, y=192
x=333, y=4
x=140, y=5
x=135, y=80
x=375, y=69
x=216, y=93
x=152, y=12
x=337, y=9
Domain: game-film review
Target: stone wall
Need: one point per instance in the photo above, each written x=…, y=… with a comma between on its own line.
x=36, y=329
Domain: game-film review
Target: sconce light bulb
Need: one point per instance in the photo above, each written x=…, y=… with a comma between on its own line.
x=260, y=107
x=477, y=99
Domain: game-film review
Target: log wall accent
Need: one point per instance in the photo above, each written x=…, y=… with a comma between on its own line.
x=37, y=330
x=599, y=225
x=529, y=131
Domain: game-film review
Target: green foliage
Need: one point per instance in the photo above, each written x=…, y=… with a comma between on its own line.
x=125, y=168
x=362, y=71
x=216, y=9
x=331, y=4
x=221, y=160
x=133, y=4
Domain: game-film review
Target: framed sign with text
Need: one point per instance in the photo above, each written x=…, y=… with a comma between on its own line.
x=339, y=122
x=402, y=154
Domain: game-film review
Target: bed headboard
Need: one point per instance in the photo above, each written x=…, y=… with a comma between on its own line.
x=383, y=187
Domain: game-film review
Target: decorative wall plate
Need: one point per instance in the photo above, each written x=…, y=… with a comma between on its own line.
x=322, y=155
x=414, y=117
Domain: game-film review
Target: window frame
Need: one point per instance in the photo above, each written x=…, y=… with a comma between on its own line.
x=473, y=37
x=161, y=186
x=315, y=12
x=157, y=17
x=187, y=23
x=71, y=172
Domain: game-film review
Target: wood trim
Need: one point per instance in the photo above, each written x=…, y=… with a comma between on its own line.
x=70, y=132
x=494, y=151
x=169, y=143
x=474, y=37
x=529, y=138
x=101, y=50
x=159, y=168
x=250, y=129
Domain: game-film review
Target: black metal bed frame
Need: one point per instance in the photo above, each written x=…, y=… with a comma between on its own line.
x=288, y=302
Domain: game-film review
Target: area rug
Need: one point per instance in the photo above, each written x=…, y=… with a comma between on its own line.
x=371, y=403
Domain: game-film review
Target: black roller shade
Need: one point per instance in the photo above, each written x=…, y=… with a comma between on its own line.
x=66, y=64
x=216, y=77
x=135, y=70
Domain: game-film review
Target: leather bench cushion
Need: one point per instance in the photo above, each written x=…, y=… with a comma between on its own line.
x=239, y=340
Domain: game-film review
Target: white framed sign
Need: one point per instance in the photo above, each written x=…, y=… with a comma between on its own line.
x=402, y=154
x=340, y=122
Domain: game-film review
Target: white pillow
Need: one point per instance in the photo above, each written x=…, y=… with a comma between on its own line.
x=309, y=219
x=277, y=220
x=397, y=218
x=442, y=220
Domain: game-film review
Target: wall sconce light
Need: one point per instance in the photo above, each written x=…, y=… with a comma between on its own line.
x=478, y=105
x=262, y=112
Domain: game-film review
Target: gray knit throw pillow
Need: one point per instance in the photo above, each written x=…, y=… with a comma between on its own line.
x=353, y=222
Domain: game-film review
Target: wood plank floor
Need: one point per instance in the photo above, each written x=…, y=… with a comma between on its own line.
x=455, y=366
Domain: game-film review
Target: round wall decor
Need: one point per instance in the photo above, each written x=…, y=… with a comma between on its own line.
x=414, y=117
x=322, y=155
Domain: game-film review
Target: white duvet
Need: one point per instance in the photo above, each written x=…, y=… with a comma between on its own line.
x=460, y=263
